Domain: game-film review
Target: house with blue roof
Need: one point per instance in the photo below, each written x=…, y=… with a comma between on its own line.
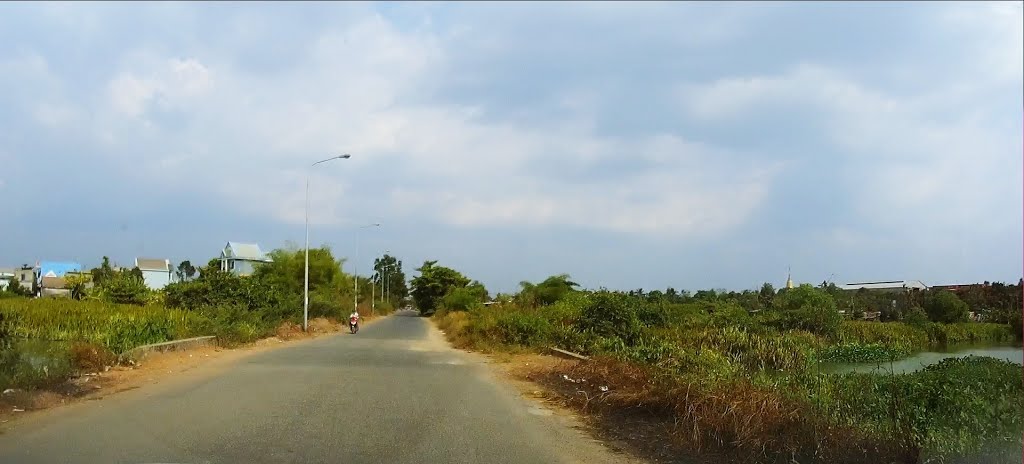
x=50, y=278
x=56, y=269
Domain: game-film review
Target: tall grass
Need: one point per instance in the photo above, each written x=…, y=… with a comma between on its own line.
x=116, y=327
x=902, y=339
x=969, y=332
x=45, y=340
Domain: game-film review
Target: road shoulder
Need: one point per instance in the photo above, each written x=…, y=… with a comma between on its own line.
x=17, y=406
x=575, y=437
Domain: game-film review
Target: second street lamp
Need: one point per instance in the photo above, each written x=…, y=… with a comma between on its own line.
x=305, y=304
x=355, y=277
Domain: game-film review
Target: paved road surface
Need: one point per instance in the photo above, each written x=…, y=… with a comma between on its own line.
x=393, y=393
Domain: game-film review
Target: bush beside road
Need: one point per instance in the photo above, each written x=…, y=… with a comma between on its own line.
x=45, y=341
x=718, y=378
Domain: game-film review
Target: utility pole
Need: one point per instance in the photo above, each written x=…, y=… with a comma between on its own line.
x=305, y=302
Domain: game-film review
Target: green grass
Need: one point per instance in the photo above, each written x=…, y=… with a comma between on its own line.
x=860, y=353
x=957, y=407
x=115, y=327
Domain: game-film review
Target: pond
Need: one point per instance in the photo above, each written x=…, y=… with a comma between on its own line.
x=920, y=360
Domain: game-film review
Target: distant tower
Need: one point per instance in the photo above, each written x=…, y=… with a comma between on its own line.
x=789, y=278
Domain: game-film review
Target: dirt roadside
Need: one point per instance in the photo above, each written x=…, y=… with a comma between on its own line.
x=543, y=379
x=20, y=404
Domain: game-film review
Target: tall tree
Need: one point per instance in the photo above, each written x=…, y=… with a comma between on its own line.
x=14, y=288
x=808, y=308
x=766, y=295
x=104, y=273
x=549, y=291
x=945, y=306
x=76, y=283
x=390, y=277
x=186, y=271
x=433, y=283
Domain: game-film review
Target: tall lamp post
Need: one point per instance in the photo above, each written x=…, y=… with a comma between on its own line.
x=355, y=294
x=384, y=279
x=305, y=304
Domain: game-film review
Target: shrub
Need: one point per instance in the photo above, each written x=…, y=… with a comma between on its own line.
x=521, y=328
x=916, y=316
x=609, y=314
x=125, y=288
x=807, y=308
x=731, y=315
x=461, y=299
x=944, y=306
x=956, y=407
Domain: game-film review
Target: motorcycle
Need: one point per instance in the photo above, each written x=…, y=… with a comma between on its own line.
x=353, y=324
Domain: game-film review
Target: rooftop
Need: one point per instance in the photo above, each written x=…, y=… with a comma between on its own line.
x=248, y=251
x=884, y=285
x=153, y=264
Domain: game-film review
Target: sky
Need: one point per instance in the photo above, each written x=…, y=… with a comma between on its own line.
x=630, y=145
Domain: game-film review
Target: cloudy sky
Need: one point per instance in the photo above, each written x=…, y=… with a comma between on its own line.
x=629, y=145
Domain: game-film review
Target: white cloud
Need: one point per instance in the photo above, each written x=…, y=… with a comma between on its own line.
x=189, y=77
x=365, y=88
x=355, y=90
x=54, y=115
x=995, y=32
x=904, y=166
x=173, y=82
x=689, y=191
x=129, y=94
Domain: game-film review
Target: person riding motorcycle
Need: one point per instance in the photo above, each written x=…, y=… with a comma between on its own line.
x=353, y=319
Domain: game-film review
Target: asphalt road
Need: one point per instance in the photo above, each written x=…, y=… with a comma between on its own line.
x=393, y=393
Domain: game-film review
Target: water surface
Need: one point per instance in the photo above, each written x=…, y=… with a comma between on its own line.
x=918, y=361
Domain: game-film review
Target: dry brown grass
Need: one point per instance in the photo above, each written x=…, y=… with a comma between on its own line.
x=733, y=421
x=323, y=325
x=288, y=330
x=455, y=326
x=90, y=357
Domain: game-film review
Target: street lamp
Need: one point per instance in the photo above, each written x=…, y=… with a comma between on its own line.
x=355, y=294
x=384, y=282
x=305, y=304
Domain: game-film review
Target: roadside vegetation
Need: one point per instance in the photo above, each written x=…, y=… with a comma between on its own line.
x=44, y=341
x=741, y=372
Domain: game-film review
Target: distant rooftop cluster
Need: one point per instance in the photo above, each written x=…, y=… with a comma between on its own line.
x=49, y=278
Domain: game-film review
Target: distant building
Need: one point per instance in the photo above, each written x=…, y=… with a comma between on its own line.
x=6, y=276
x=157, y=273
x=54, y=287
x=26, y=276
x=893, y=286
x=241, y=258
x=960, y=287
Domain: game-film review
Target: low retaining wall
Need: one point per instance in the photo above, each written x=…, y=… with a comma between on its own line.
x=140, y=352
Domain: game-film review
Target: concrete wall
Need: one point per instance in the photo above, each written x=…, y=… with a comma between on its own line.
x=55, y=292
x=240, y=267
x=139, y=353
x=156, y=279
